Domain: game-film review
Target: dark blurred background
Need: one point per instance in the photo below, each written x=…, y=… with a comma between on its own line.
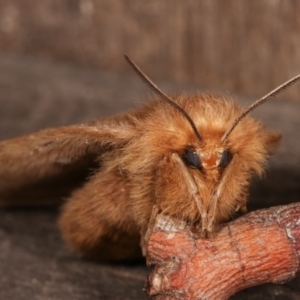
x=61, y=62
x=244, y=46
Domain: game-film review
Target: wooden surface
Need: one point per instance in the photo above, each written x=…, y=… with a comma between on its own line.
x=240, y=46
x=34, y=262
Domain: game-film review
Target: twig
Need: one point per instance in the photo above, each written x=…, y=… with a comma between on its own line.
x=263, y=246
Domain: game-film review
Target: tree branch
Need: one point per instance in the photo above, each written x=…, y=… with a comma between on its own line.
x=260, y=247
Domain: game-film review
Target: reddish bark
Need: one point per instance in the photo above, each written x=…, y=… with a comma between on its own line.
x=263, y=246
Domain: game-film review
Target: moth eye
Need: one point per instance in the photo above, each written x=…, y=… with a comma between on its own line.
x=225, y=159
x=192, y=159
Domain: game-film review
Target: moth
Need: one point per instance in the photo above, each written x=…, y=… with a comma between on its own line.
x=189, y=157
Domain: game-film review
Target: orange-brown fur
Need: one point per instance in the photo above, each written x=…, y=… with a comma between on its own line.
x=134, y=162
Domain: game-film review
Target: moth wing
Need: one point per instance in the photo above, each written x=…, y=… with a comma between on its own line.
x=43, y=167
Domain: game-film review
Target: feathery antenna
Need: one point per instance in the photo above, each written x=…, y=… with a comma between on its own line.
x=160, y=93
x=260, y=101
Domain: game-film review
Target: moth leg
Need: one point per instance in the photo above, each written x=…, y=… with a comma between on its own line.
x=146, y=233
x=242, y=208
x=97, y=221
x=192, y=190
x=160, y=221
x=177, y=193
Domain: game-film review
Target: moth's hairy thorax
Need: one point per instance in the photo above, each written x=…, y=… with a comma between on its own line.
x=163, y=132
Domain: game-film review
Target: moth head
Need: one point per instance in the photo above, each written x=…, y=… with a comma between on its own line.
x=221, y=170
x=207, y=180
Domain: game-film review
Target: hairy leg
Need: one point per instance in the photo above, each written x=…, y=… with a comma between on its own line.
x=97, y=221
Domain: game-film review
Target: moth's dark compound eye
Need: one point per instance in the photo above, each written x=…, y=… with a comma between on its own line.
x=192, y=159
x=225, y=159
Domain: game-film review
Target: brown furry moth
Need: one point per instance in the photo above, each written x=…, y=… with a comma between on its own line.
x=190, y=157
